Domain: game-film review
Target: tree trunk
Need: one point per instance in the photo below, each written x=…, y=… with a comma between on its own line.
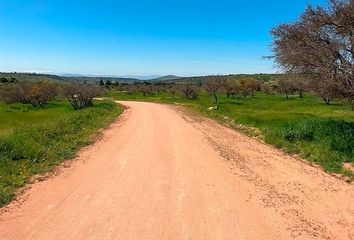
x=301, y=94
x=215, y=100
x=327, y=101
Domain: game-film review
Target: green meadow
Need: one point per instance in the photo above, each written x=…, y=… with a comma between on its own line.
x=320, y=133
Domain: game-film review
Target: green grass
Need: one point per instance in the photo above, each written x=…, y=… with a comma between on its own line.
x=317, y=132
x=33, y=141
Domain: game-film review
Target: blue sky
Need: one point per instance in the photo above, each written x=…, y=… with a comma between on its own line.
x=182, y=37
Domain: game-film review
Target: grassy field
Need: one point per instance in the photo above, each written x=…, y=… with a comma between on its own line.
x=317, y=132
x=34, y=140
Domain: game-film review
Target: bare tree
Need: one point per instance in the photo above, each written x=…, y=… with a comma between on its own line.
x=189, y=90
x=41, y=93
x=37, y=94
x=145, y=89
x=248, y=86
x=321, y=42
x=130, y=89
x=16, y=93
x=253, y=85
x=212, y=85
x=231, y=88
x=80, y=95
x=285, y=85
x=327, y=90
x=159, y=87
x=300, y=83
x=269, y=88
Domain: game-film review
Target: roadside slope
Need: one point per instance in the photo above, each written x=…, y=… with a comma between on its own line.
x=159, y=174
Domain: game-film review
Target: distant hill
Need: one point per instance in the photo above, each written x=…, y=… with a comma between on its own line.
x=104, y=79
x=33, y=77
x=166, y=78
x=262, y=77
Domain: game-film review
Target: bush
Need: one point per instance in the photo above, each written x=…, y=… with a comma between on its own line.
x=37, y=94
x=3, y=80
x=80, y=95
x=41, y=93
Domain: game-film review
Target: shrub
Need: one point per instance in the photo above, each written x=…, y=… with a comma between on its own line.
x=41, y=93
x=3, y=80
x=81, y=95
x=37, y=94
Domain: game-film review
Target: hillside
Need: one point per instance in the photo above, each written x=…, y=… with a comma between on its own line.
x=166, y=78
x=31, y=77
x=263, y=77
x=34, y=77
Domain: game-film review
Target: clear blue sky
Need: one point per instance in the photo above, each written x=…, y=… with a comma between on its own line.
x=182, y=37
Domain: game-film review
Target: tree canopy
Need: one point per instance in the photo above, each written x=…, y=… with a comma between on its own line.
x=320, y=43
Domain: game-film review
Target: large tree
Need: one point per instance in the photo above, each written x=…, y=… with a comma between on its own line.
x=320, y=43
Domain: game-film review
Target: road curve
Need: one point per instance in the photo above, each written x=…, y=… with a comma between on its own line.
x=158, y=173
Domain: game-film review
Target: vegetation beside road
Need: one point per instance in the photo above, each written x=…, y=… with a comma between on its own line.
x=320, y=133
x=34, y=140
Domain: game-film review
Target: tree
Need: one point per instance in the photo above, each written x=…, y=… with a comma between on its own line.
x=172, y=90
x=300, y=83
x=16, y=93
x=41, y=93
x=248, y=86
x=116, y=84
x=269, y=88
x=145, y=89
x=231, y=88
x=159, y=87
x=253, y=85
x=13, y=80
x=321, y=43
x=108, y=83
x=37, y=94
x=327, y=90
x=3, y=80
x=212, y=85
x=190, y=91
x=130, y=88
x=285, y=85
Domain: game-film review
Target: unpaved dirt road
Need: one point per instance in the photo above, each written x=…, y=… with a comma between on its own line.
x=160, y=174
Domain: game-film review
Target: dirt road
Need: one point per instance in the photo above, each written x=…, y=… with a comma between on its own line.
x=160, y=174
